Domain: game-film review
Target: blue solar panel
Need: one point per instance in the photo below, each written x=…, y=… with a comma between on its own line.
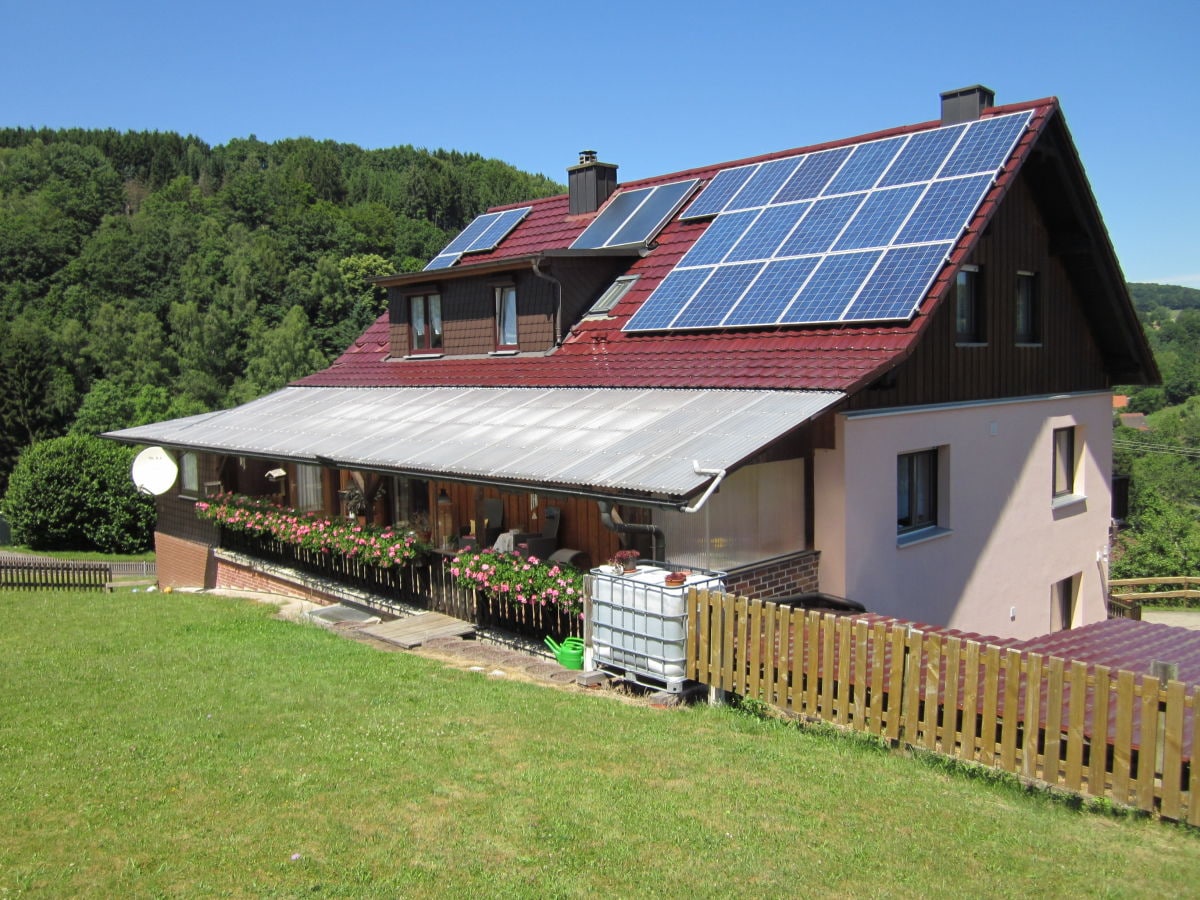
x=879, y=218
x=944, y=210
x=634, y=217
x=719, y=238
x=770, y=295
x=656, y=210
x=986, y=145
x=442, y=261
x=605, y=225
x=850, y=234
x=830, y=288
x=763, y=238
x=814, y=173
x=467, y=236
x=759, y=190
x=863, y=169
x=483, y=233
x=922, y=156
x=714, y=197
x=711, y=303
x=899, y=283
x=498, y=230
x=819, y=229
x=673, y=294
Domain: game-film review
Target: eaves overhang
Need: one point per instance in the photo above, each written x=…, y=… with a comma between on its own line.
x=643, y=445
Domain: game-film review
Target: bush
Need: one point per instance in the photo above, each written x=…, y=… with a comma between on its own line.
x=76, y=493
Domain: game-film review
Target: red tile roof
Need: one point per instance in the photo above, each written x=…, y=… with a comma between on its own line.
x=597, y=353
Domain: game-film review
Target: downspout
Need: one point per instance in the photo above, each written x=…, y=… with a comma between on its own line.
x=720, y=473
x=611, y=520
x=558, y=301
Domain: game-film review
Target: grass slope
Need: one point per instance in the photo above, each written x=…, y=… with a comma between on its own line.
x=191, y=745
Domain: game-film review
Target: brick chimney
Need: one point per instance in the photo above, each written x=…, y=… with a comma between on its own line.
x=966, y=104
x=590, y=183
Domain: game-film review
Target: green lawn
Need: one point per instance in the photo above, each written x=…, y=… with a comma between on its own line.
x=188, y=745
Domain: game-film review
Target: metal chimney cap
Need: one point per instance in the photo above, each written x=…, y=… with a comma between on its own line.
x=587, y=156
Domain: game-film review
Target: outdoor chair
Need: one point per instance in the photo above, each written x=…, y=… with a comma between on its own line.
x=543, y=544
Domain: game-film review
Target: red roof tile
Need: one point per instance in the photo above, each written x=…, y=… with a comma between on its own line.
x=598, y=354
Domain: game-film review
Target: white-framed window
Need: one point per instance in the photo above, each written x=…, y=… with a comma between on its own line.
x=916, y=491
x=189, y=474
x=506, y=317
x=1064, y=462
x=1028, y=324
x=308, y=488
x=425, y=323
x=968, y=307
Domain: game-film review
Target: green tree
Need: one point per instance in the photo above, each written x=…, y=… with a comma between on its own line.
x=279, y=355
x=75, y=493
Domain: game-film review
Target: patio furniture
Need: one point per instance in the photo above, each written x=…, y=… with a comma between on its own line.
x=545, y=543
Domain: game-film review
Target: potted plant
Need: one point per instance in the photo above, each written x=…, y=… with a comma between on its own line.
x=625, y=560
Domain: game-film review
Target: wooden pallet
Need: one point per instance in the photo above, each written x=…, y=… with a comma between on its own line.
x=415, y=630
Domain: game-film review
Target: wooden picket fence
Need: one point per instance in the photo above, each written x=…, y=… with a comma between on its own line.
x=1092, y=730
x=49, y=574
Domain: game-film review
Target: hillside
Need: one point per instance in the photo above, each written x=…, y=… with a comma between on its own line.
x=145, y=275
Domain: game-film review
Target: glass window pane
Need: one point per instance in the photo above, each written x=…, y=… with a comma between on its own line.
x=506, y=316
x=435, y=321
x=417, y=321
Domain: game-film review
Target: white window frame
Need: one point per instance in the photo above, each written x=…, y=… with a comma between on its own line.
x=189, y=474
x=426, y=335
x=506, y=318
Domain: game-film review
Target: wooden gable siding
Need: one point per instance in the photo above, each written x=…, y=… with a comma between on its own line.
x=469, y=306
x=1067, y=359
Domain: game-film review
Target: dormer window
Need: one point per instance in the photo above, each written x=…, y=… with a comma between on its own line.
x=425, y=323
x=506, y=317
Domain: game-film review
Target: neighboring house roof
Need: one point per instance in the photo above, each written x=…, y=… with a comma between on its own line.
x=641, y=442
x=1124, y=644
x=598, y=353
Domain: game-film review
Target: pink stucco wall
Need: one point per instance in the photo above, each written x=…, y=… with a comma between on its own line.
x=1005, y=543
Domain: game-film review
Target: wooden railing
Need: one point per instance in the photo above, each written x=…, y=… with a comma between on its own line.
x=1182, y=587
x=427, y=584
x=1092, y=730
x=49, y=574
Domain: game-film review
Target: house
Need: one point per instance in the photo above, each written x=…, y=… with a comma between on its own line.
x=879, y=367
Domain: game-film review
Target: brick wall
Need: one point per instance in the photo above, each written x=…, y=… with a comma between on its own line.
x=181, y=562
x=796, y=573
x=234, y=575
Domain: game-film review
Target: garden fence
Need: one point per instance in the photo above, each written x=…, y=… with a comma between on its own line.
x=1092, y=730
x=48, y=574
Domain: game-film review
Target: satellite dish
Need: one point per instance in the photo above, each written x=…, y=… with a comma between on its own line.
x=154, y=471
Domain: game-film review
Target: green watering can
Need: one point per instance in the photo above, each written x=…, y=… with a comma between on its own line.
x=569, y=653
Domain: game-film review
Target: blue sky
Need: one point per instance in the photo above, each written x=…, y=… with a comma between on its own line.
x=655, y=86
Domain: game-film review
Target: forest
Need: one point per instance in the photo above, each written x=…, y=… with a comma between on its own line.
x=1162, y=537
x=147, y=275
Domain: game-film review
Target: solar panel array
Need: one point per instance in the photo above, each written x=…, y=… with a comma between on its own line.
x=851, y=234
x=484, y=233
x=632, y=218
